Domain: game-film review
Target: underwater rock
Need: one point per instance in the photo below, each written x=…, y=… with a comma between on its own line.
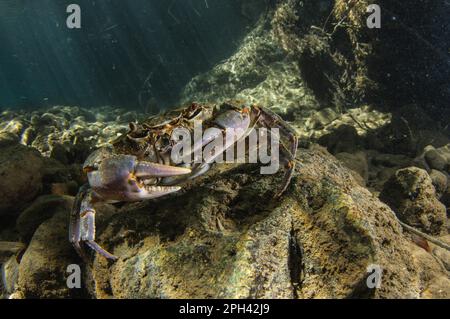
x=43, y=208
x=434, y=159
x=258, y=72
x=21, y=177
x=440, y=182
x=7, y=139
x=344, y=139
x=358, y=163
x=42, y=270
x=433, y=273
x=65, y=133
x=265, y=71
x=225, y=237
x=441, y=253
x=411, y=194
x=437, y=158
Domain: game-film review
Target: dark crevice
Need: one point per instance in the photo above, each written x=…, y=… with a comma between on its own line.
x=295, y=263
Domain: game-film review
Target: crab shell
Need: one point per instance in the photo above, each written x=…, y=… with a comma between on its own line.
x=138, y=165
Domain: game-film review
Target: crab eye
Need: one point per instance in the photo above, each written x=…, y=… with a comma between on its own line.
x=165, y=141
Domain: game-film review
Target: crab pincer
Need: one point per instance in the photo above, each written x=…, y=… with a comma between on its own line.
x=113, y=178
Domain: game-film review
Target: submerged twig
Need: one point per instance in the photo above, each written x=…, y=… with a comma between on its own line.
x=432, y=239
x=363, y=127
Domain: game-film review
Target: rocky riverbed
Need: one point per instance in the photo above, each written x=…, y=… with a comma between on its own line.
x=224, y=235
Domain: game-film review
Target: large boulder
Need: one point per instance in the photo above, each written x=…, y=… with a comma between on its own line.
x=20, y=175
x=43, y=267
x=225, y=237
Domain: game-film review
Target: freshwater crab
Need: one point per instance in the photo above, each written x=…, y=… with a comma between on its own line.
x=138, y=165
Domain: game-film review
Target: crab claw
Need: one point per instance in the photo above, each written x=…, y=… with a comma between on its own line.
x=119, y=177
x=149, y=170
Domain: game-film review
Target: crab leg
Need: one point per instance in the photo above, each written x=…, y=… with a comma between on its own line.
x=270, y=119
x=87, y=233
x=82, y=224
x=74, y=225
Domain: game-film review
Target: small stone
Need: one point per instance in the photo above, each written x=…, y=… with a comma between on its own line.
x=28, y=135
x=59, y=189
x=126, y=117
x=9, y=275
x=435, y=160
x=440, y=182
x=60, y=153
x=323, y=118
x=412, y=196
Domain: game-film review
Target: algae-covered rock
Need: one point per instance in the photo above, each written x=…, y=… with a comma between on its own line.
x=440, y=182
x=411, y=194
x=437, y=158
x=43, y=268
x=43, y=208
x=20, y=177
x=258, y=72
x=435, y=286
x=226, y=237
